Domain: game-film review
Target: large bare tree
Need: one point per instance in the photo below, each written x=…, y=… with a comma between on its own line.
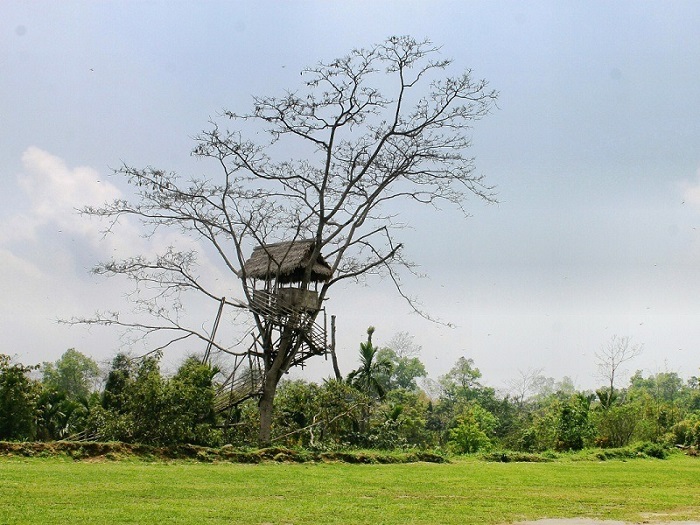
x=325, y=162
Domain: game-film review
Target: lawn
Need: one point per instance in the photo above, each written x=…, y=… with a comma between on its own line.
x=60, y=491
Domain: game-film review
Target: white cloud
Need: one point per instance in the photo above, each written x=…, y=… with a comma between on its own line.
x=42, y=238
x=46, y=247
x=54, y=192
x=54, y=188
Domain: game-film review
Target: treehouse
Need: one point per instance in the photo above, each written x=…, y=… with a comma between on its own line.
x=287, y=306
x=281, y=268
x=283, y=274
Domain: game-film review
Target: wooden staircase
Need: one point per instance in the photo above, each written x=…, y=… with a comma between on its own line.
x=246, y=379
x=278, y=311
x=243, y=383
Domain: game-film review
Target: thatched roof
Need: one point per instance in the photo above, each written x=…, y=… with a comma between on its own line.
x=286, y=262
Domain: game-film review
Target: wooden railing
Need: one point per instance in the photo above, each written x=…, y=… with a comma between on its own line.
x=246, y=380
x=240, y=385
x=284, y=314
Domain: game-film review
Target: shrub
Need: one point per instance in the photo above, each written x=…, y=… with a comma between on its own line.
x=507, y=456
x=18, y=400
x=686, y=433
x=467, y=438
x=471, y=433
x=645, y=449
x=652, y=450
x=574, y=428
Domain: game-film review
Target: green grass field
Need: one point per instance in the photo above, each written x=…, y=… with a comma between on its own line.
x=60, y=491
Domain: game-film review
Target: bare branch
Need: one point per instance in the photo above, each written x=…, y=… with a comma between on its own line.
x=612, y=355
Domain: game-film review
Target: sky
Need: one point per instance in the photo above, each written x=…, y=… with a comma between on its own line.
x=594, y=149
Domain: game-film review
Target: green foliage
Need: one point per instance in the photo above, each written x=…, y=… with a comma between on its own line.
x=386, y=435
x=539, y=427
x=148, y=408
x=73, y=374
x=118, y=380
x=574, y=428
x=508, y=456
x=652, y=450
x=403, y=370
x=461, y=380
x=538, y=430
x=467, y=438
x=640, y=450
x=472, y=430
x=369, y=411
x=367, y=378
x=243, y=424
x=191, y=395
x=410, y=409
x=686, y=432
x=296, y=404
x=67, y=396
x=52, y=415
x=336, y=415
x=296, y=408
x=327, y=416
x=341, y=409
x=616, y=425
x=59, y=417
x=663, y=400
x=18, y=399
x=402, y=352
x=606, y=397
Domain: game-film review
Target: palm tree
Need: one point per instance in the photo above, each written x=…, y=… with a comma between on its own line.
x=366, y=377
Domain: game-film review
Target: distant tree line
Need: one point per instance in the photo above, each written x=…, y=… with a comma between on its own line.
x=386, y=403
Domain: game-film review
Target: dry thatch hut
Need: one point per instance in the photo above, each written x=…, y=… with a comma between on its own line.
x=280, y=264
x=286, y=262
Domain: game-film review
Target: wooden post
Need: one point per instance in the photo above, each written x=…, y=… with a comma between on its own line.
x=207, y=352
x=338, y=375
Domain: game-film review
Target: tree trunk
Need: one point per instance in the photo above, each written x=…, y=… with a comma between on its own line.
x=334, y=358
x=265, y=406
x=273, y=373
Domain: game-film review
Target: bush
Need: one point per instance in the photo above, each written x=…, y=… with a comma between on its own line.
x=617, y=425
x=471, y=433
x=574, y=428
x=144, y=407
x=640, y=450
x=18, y=401
x=507, y=456
x=387, y=436
x=467, y=438
x=652, y=450
x=686, y=433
